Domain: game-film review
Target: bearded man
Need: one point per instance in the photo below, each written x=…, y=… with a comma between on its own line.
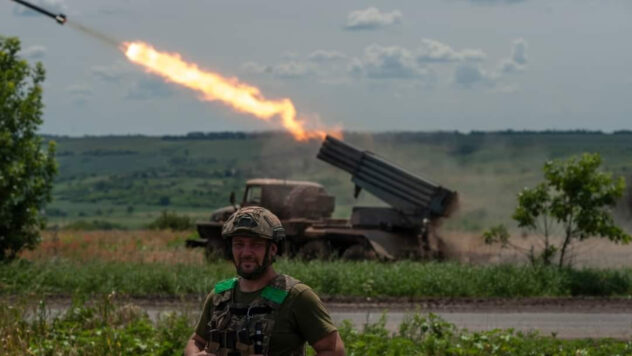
x=261, y=312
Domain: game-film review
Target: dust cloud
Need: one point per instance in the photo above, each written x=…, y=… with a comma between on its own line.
x=592, y=252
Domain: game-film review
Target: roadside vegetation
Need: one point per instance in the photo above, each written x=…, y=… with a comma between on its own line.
x=107, y=327
x=576, y=198
x=155, y=262
x=338, y=278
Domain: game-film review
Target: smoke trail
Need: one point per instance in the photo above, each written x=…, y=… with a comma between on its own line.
x=241, y=96
x=103, y=38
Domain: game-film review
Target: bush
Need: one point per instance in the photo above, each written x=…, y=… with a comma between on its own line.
x=93, y=225
x=172, y=221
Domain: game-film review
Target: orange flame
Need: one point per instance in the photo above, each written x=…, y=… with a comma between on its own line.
x=240, y=96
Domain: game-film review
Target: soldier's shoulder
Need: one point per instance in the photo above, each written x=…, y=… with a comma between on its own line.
x=224, y=285
x=300, y=290
x=303, y=297
x=291, y=284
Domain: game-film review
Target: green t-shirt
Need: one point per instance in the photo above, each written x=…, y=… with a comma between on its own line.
x=302, y=317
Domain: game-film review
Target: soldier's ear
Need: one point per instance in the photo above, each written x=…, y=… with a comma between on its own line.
x=273, y=249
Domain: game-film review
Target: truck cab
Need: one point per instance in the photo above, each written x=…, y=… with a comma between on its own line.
x=298, y=204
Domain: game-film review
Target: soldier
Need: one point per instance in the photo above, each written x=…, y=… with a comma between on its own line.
x=261, y=312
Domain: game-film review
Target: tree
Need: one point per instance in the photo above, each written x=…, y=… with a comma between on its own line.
x=574, y=196
x=26, y=172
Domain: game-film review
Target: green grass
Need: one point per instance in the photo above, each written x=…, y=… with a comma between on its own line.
x=106, y=327
x=365, y=279
x=100, y=177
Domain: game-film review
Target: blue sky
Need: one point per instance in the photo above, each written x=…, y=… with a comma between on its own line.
x=367, y=66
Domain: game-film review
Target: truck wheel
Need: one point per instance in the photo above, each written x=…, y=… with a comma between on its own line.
x=313, y=250
x=358, y=252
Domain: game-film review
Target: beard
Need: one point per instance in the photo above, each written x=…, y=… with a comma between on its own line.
x=254, y=273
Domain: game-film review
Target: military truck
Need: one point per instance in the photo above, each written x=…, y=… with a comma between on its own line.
x=404, y=230
x=298, y=204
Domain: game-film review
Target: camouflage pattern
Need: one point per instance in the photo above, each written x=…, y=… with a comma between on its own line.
x=254, y=221
x=245, y=329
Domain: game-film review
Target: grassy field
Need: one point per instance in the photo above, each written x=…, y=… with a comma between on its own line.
x=361, y=279
x=106, y=327
x=151, y=263
x=128, y=180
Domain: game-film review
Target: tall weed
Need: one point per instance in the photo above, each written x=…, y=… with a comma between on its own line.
x=336, y=278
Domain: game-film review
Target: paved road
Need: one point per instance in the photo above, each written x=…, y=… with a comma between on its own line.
x=567, y=318
x=563, y=324
x=564, y=317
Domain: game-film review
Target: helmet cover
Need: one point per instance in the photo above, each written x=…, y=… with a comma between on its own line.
x=254, y=221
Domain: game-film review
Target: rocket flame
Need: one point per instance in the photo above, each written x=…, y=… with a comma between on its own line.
x=213, y=86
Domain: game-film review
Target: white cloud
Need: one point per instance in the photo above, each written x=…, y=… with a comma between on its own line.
x=518, y=60
x=383, y=63
x=435, y=51
x=54, y=6
x=326, y=56
x=286, y=70
x=391, y=62
x=325, y=66
x=256, y=68
x=376, y=62
x=469, y=75
x=34, y=52
x=291, y=69
x=372, y=18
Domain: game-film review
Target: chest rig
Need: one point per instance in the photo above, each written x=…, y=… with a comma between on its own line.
x=239, y=329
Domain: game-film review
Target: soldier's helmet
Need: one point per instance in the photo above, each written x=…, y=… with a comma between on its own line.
x=254, y=221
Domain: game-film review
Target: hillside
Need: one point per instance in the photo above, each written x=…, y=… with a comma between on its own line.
x=127, y=180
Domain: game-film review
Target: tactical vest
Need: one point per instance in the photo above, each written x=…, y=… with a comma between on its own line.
x=238, y=329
